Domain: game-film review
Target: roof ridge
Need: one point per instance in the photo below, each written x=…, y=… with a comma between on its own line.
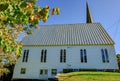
x=69, y=24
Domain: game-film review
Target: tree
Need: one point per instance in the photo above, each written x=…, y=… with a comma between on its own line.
x=118, y=59
x=18, y=16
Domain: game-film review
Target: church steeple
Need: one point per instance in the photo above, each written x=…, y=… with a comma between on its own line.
x=88, y=15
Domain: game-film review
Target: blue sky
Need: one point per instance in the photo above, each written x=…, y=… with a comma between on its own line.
x=107, y=12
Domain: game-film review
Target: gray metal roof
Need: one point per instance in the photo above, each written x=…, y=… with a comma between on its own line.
x=70, y=34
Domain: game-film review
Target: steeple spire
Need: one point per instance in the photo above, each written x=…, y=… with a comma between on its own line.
x=88, y=15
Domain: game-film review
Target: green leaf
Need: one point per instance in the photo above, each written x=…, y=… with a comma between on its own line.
x=57, y=11
x=25, y=19
x=39, y=9
x=3, y=7
x=11, y=13
x=10, y=8
x=2, y=42
x=23, y=4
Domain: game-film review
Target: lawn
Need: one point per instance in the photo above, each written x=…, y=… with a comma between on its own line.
x=90, y=76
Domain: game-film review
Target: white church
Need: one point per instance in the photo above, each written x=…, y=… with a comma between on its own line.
x=55, y=49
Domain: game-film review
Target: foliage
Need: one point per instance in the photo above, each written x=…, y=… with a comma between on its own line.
x=118, y=60
x=8, y=76
x=18, y=16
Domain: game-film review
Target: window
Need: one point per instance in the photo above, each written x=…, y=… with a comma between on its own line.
x=81, y=52
x=25, y=56
x=46, y=71
x=83, y=55
x=43, y=71
x=23, y=70
x=43, y=56
x=62, y=56
x=54, y=71
x=64, y=60
x=105, y=57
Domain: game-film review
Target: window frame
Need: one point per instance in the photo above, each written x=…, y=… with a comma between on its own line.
x=23, y=71
x=43, y=72
x=25, y=55
x=63, y=56
x=53, y=71
x=83, y=56
x=105, y=56
x=43, y=56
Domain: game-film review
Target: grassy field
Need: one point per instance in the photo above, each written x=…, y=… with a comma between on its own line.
x=90, y=76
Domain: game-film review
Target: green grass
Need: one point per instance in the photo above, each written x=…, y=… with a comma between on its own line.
x=90, y=76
